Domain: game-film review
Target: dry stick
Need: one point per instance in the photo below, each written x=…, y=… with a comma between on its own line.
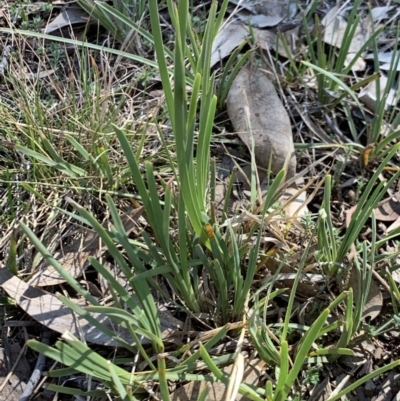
x=10, y=373
x=6, y=346
x=39, y=386
x=35, y=377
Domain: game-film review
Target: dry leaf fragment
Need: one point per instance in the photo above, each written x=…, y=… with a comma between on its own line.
x=73, y=258
x=232, y=34
x=369, y=97
x=390, y=60
x=70, y=16
x=388, y=209
x=297, y=207
x=394, y=225
x=349, y=215
x=48, y=310
x=373, y=305
x=383, y=57
x=268, y=40
x=263, y=21
x=270, y=12
x=380, y=13
x=335, y=28
x=306, y=287
x=259, y=20
x=359, y=64
x=229, y=37
x=217, y=390
x=390, y=67
x=396, y=275
x=258, y=115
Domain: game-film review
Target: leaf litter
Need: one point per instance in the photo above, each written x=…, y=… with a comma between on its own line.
x=48, y=310
x=233, y=33
x=228, y=39
x=74, y=257
x=370, y=96
x=51, y=312
x=262, y=14
x=261, y=121
x=388, y=209
x=258, y=15
x=374, y=301
x=390, y=60
x=71, y=15
x=335, y=30
x=217, y=391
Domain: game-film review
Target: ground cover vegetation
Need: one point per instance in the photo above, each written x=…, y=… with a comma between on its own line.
x=124, y=265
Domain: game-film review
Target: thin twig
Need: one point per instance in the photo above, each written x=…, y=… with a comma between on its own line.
x=11, y=372
x=39, y=367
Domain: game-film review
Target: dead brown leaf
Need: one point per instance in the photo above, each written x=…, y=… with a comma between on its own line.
x=389, y=60
x=374, y=303
x=217, y=391
x=259, y=20
x=394, y=225
x=230, y=36
x=71, y=15
x=335, y=29
x=369, y=96
x=268, y=40
x=380, y=13
x=48, y=310
x=294, y=200
x=388, y=209
x=258, y=115
x=307, y=287
x=74, y=257
x=396, y=275
x=262, y=14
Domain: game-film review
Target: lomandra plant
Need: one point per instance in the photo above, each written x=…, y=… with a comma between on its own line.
x=198, y=246
x=311, y=349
